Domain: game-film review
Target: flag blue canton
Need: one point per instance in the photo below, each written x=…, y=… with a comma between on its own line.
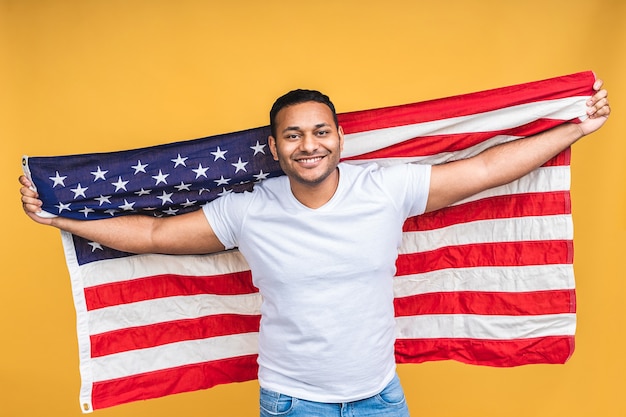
x=164, y=180
x=161, y=180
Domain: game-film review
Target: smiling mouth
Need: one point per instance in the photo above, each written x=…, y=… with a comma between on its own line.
x=310, y=160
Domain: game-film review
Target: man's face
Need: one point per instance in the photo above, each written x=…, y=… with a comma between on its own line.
x=308, y=144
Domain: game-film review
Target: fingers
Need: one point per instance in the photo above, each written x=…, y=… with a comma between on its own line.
x=597, y=85
x=28, y=189
x=598, y=104
x=31, y=204
x=30, y=197
x=24, y=181
x=600, y=109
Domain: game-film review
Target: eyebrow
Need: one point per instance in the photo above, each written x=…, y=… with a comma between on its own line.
x=317, y=126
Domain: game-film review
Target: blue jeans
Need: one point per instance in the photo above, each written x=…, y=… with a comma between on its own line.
x=389, y=402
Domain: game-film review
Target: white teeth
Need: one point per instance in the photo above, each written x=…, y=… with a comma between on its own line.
x=310, y=160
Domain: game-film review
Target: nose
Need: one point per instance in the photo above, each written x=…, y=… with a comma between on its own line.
x=309, y=143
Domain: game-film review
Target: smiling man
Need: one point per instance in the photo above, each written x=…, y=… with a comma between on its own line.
x=307, y=142
x=321, y=243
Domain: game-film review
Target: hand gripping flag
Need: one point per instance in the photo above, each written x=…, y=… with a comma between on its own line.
x=487, y=281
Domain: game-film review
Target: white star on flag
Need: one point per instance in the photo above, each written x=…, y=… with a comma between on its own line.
x=219, y=154
x=258, y=148
x=261, y=176
x=103, y=199
x=224, y=192
x=240, y=166
x=86, y=211
x=170, y=211
x=179, y=161
x=139, y=167
x=200, y=171
x=120, y=184
x=142, y=192
x=62, y=207
x=58, y=180
x=94, y=246
x=221, y=181
x=183, y=186
x=99, y=174
x=165, y=198
x=160, y=178
x=127, y=206
x=79, y=191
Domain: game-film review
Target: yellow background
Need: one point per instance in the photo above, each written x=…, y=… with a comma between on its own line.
x=91, y=75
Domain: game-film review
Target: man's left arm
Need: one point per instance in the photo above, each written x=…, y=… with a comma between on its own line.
x=507, y=162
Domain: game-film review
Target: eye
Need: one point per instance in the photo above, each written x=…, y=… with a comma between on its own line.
x=322, y=132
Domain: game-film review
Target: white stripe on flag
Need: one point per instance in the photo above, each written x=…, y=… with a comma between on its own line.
x=138, y=266
x=438, y=158
x=490, y=231
x=484, y=327
x=545, y=179
x=134, y=362
x=161, y=310
x=504, y=279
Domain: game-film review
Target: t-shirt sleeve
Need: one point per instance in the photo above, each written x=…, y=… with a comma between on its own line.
x=420, y=185
x=226, y=215
x=408, y=185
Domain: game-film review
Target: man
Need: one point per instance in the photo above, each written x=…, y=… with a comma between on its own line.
x=321, y=243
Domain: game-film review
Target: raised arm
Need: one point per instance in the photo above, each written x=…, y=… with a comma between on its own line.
x=504, y=163
x=189, y=233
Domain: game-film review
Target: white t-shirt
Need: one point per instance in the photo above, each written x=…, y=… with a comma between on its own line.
x=325, y=275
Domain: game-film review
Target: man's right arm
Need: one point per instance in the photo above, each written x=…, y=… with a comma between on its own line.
x=189, y=233
x=501, y=164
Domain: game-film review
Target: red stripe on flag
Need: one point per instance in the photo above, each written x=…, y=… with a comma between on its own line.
x=436, y=144
x=157, y=334
x=579, y=84
x=545, y=252
x=488, y=303
x=498, y=207
x=173, y=380
x=562, y=159
x=167, y=285
x=501, y=353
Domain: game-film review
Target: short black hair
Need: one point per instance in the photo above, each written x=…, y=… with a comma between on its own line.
x=296, y=97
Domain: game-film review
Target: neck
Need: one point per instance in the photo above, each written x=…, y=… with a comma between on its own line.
x=315, y=195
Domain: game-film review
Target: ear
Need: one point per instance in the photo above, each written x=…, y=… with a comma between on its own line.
x=272, y=142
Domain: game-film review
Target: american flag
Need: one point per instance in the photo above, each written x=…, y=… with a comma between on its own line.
x=487, y=281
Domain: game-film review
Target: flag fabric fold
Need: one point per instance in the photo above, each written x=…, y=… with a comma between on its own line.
x=486, y=281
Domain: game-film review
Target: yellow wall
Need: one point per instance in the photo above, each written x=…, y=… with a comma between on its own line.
x=91, y=75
